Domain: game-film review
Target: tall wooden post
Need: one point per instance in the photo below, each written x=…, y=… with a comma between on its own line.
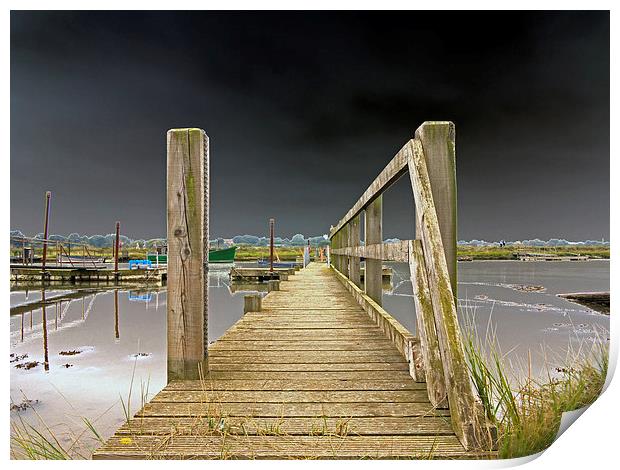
x=271, y=228
x=188, y=251
x=116, y=244
x=373, y=274
x=437, y=139
x=48, y=196
x=354, y=240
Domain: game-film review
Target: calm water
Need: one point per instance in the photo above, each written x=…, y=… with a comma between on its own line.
x=116, y=345
x=539, y=323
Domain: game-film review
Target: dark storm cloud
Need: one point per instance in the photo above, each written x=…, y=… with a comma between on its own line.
x=304, y=109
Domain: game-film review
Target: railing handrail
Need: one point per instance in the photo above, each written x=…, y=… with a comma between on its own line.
x=388, y=176
x=433, y=273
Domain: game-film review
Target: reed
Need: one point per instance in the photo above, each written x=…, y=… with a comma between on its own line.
x=527, y=412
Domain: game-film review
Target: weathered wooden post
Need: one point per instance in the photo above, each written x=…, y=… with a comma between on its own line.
x=373, y=274
x=425, y=320
x=48, y=196
x=188, y=251
x=271, y=229
x=437, y=138
x=252, y=303
x=354, y=240
x=466, y=413
x=116, y=245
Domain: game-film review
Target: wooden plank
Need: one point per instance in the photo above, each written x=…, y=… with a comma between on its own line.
x=333, y=357
x=277, y=410
x=427, y=333
x=302, y=335
x=188, y=235
x=280, y=396
x=296, y=384
x=277, y=447
x=307, y=356
x=307, y=367
x=395, y=251
x=328, y=345
x=383, y=426
x=467, y=415
x=373, y=233
x=390, y=174
x=314, y=375
x=437, y=141
x=299, y=325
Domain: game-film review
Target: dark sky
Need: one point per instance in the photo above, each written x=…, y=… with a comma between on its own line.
x=303, y=110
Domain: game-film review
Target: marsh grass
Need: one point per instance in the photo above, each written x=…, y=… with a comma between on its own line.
x=528, y=411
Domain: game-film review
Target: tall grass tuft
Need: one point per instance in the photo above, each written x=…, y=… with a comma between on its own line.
x=527, y=412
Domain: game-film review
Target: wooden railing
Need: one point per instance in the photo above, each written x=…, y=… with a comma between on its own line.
x=429, y=159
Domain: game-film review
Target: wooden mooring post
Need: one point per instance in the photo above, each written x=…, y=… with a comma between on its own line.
x=271, y=229
x=252, y=303
x=48, y=196
x=188, y=251
x=116, y=245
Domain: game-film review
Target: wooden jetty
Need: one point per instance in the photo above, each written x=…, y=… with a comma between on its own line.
x=310, y=375
x=317, y=368
x=260, y=274
x=79, y=275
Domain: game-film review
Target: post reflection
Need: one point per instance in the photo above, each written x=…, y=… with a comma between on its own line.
x=46, y=363
x=116, y=327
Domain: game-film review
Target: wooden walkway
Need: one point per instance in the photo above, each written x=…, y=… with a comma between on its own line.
x=310, y=376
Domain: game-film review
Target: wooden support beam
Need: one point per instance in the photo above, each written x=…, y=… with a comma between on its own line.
x=344, y=240
x=437, y=139
x=425, y=319
x=354, y=241
x=188, y=238
x=373, y=234
x=466, y=412
x=398, y=251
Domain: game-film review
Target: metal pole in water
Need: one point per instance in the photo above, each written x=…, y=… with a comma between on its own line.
x=48, y=196
x=271, y=227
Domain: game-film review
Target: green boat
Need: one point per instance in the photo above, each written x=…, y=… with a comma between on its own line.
x=227, y=255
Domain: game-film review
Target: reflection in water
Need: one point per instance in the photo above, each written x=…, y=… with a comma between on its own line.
x=46, y=362
x=117, y=334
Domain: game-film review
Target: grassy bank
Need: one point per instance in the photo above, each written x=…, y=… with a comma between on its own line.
x=505, y=253
x=528, y=412
x=252, y=253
